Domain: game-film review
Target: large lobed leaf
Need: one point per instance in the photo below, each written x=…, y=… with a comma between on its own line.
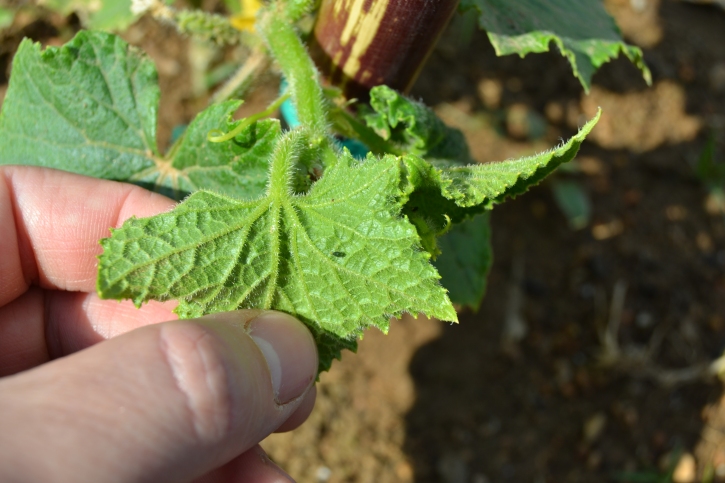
x=90, y=107
x=339, y=257
x=582, y=30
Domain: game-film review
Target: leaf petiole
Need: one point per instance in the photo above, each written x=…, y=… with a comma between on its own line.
x=218, y=136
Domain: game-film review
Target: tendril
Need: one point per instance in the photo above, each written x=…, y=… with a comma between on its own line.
x=219, y=136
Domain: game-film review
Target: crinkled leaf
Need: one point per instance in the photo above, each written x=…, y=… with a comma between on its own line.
x=87, y=107
x=414, y=127
x=582, y=30
x=96, y=14
x=492, y=183
x=439, y=196
x=237, y=168
x=339, y=257
x=465, y=260
x=90, y=107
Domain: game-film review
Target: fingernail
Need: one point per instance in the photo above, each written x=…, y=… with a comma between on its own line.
x=290, y=352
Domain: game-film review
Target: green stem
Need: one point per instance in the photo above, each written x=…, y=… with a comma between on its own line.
x=218, y=136
x=283, y=161
x=286, y=47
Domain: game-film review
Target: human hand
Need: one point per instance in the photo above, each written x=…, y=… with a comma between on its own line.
x=134, y=400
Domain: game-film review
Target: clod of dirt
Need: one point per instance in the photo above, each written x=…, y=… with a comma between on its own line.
x=685, y=471
x=638, y=20
x=594, y=426
x=717, y=77
x=640, y=121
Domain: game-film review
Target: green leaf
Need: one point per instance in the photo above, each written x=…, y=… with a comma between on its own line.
x=465, y=260
x=238, y=168
x=573, y=201
x=87, y=107
x=582, y=30
x=90, y=107
x=438, y=196
x=709, y=168
x=96, y=14
x=6, y=17
x=492, y=183
x=414, y=128
x=340, y=258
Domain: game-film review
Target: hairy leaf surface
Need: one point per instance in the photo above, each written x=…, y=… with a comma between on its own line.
x=237, y=168
x=491, y=183
x=413, y=127
x=582, y=30
x=439, y=196
x=339, y=257
x=90, y=107
x=465, y=260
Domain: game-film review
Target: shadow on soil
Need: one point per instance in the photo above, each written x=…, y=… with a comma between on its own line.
x=541, y=408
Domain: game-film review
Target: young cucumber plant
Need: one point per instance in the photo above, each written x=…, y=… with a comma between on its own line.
x=288, y=220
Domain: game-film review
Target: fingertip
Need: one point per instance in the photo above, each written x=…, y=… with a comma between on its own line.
x=285, y=344
x=253, y=466
x=59, y=218
x=302, y=412
x=290, y=352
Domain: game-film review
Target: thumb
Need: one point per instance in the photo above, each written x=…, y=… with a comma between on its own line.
x=167, y=402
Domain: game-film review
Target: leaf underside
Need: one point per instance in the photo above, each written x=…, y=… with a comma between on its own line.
x=339, y=258
x=348, y=253
x=582, y=30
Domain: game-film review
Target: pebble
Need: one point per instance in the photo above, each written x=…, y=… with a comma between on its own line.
x=490, y=91
x=323, y=474
x=717, y=77
x=594, y=426
x=686, y=469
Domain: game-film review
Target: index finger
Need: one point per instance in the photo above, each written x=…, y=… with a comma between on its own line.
x=53, y=222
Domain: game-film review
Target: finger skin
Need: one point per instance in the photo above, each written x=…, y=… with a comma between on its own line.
x=58, y=218
x=53, y=221
x=42, y=325
x=167, y=402
x=302, y=412
x=254, y=466
x=114, y=404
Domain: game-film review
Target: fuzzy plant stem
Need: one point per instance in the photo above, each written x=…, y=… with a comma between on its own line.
x=287, y=49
